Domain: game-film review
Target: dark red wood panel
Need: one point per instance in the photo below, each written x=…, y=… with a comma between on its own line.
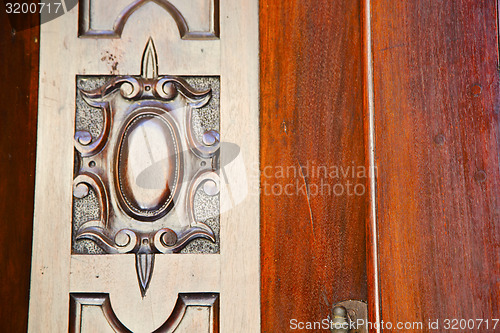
x=18, y=97
x=436, y=86
x=312, y=235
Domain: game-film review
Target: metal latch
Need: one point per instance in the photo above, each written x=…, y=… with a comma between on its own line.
x=349, y=317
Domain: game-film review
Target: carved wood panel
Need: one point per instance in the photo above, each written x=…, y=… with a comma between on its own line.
x=161, y=217
x=145, y=166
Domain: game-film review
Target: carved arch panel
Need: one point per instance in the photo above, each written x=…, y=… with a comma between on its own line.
x=111, y=25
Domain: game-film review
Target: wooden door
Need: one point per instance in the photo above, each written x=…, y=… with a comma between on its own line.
x=407, y=90
x=147, y=121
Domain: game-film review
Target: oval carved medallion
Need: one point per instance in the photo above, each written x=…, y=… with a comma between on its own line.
x=148, y=166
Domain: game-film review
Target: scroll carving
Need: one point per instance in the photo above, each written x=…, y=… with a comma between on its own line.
x=145, y=166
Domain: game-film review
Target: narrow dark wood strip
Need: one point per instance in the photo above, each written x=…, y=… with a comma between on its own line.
x=313, y=249
x=18, y=97
x=373, y=282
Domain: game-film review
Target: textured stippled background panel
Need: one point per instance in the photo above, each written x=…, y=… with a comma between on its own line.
x=206, y=208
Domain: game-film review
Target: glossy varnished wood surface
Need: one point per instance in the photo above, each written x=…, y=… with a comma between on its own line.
x=18, y=96
x=312, y=245
x=436, y=100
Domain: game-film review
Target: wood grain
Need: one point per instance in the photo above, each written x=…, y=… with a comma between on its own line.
x=18, y=96
x=234, y=273
x=312, y=243
x=436, y=95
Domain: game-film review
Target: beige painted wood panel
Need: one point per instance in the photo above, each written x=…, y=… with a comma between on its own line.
x=151, y=56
